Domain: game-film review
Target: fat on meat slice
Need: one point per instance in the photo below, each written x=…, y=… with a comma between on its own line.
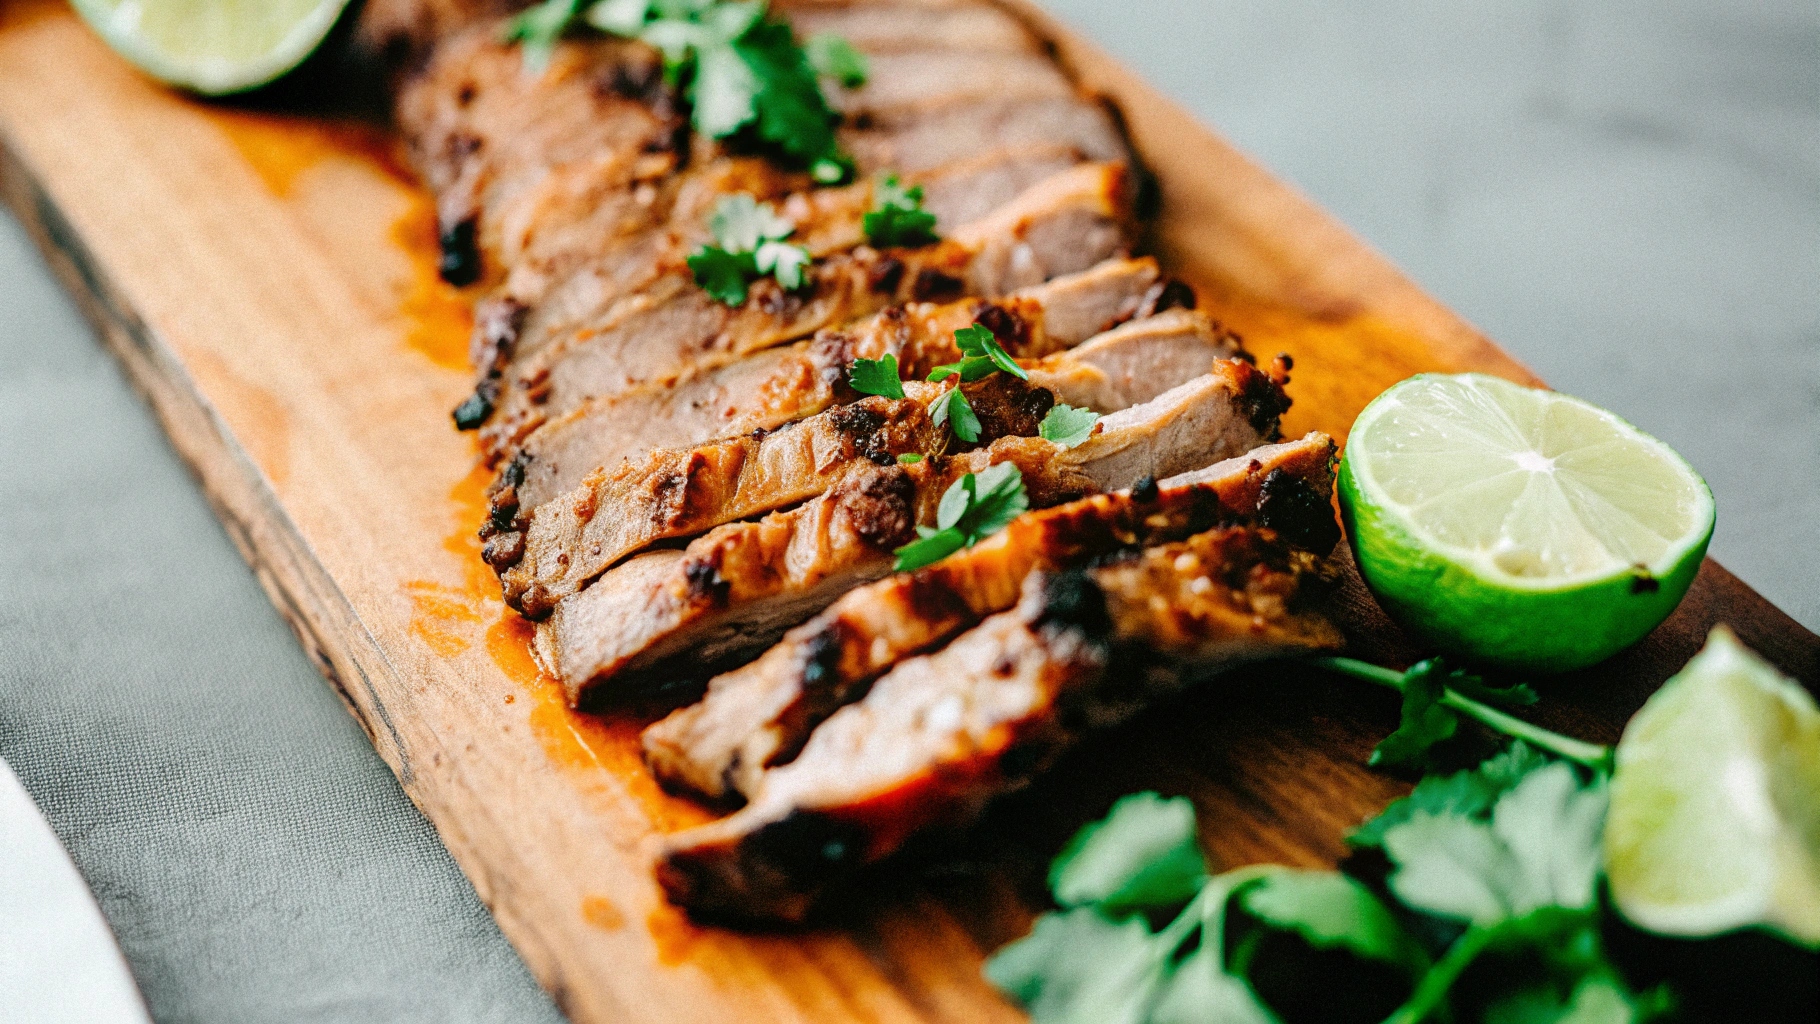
x=757, y=716
x=737, y=588
x=1066, y=223
x=770, y=388
x=941, y=735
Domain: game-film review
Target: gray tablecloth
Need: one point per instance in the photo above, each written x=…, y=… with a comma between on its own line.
x=1626, y=194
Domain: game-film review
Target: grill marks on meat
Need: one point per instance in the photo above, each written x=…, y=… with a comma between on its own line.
x=803, y=566
x=758, y=716
x=681, y=492
x=940, y=736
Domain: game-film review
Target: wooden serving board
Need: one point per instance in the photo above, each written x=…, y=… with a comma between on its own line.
x=268, y=281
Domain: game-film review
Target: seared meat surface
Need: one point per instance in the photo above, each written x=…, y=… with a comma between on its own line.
x=940, y=735
x=757, y=716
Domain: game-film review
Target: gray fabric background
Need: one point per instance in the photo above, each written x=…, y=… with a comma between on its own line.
x=1626, y=194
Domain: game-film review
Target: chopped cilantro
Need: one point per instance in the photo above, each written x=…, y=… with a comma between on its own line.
x=973, y=508
x=954, y=410
x=909, y=459
x=749, y=244
x=897, y=218
x=536, y=29
x=876, y=377
x=1067, y=426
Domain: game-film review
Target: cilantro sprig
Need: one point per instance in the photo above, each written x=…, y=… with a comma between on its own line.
x=1434, y=699
x=741, y=70
x=1502, y=862
x=749, y=244
x=972, y=508
x=981, y=354
x=897, y=218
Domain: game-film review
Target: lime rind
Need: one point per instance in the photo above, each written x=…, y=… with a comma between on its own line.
x=1715, y=811
x=212, y=47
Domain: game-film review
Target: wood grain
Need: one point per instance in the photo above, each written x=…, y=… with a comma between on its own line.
x=267, y=280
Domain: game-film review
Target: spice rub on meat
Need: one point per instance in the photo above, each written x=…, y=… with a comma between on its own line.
x=757, y=716
x=941, y=735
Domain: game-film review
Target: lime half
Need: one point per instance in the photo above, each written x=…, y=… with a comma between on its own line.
x=1715, y=802
x=213, y=46
x=1519, y=527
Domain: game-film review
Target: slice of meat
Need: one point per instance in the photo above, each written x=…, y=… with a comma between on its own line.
x=1136, y=362
x=758, y=716
x=978, y=28
x=941, y=735
x=916, y=80
x=1067, y=223
x=744, y=583
x=770, y=388
x=915, y=140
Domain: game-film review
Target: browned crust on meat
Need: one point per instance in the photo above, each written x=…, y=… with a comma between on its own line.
x=828, y=661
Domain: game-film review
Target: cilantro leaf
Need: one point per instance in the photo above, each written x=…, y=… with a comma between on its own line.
x=954, y=410
x=619, y=17
x=977, y=341
x=972, y=509
x=876, y=377
x=834, y=57
x=1468, y=793
x=970, y=369
x=1067, y=426
x=898, y=217
x=791, y=112
x=931, y=548
x=722, y=274
x=1142, y=856
x=787, y=263
x=909, y=459
x=1080, y=967
x=1331, y=911
x=741, y=223
x=723, y=92
x=1202, y=992
x=1539, y=849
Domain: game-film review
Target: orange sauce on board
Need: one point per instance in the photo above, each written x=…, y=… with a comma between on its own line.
x=438, y=315
x=281, y=147
x=602, y=913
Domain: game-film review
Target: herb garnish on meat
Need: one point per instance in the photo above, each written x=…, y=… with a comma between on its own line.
x=749, y=244
x=973, y=508
x=898, y=218
x=1067, y=426
x=741, y=70
x=876, y=377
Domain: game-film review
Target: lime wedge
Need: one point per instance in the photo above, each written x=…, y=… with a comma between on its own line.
x=1715, y=802
x=213, y=46
x=1519, y=527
